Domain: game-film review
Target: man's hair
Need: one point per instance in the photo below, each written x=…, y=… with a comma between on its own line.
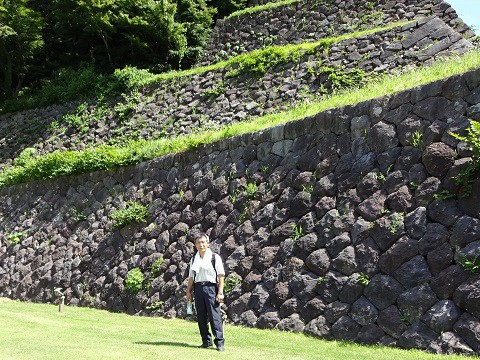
x=202, y=236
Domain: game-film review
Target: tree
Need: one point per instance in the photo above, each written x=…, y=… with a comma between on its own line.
x=197, y=17
x=20, y=39
x=226, y=7
x=115, y=33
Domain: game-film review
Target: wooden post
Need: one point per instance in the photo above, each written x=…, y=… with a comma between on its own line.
x=61, y=304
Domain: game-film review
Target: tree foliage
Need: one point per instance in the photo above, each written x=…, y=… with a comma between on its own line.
x=40, y=37
x=20, y=40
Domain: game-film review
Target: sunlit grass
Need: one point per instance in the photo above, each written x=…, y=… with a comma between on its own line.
x=258, y=8
x=39, y=331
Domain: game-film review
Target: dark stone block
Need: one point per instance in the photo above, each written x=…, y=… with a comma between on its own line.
x=318, y=262
x=290, y=306
x=465, y=231
x=387, y=230
x=251, y=280
x=442, y=316
x=438, y=158
x=413, y=303
x=292, y=323
x=329, y=289
x=304, y=246
x=413, y=272
x=432, y=108
x=445, y=211
x=401, y=200
x=435, y=236
x=319, y=327
x=259, y=299
x=416, y=222
x=417, y=336
x=335, y=245
x=304, y=286
x=440, y=258
x=448, y=280
x=279, y=294
x=272, y=276
x=467, y=295
x=247, y=319
x=370, y=334
x=363, y=312
x=265, y=258
x=309, y=161
x=268, y=320
x=425, y=192
x=403, y=250
x=368, y=254
x=467, y=327
x=383, y=291
x=312, y=309
x=352, y=290
x=390, y=321
x=450, y=343
x=371, y=208
x=455, y=87
x=382, y=137
x=346, y=261
x=345, y=329
x=369, y=184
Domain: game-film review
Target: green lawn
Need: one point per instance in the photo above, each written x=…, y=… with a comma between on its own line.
x=39, y=331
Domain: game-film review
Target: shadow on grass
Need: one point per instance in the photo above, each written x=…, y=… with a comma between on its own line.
x=165, y=343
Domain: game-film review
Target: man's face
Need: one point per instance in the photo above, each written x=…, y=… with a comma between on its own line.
x=201, y=244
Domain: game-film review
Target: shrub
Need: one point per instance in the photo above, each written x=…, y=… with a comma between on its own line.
x=155, y=268
x=24, y=157
x=134, y=280
x=231, y=282
x=470, y=264
x=65, y=85
x=466, y=177
x=15, y=237
x=133, y=212
x=251, y=190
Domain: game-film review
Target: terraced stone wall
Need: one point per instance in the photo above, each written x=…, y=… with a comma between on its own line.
x=211, y=99
x=311, y=20
x=334, y=225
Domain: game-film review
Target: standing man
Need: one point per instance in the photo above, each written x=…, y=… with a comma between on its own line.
x=206, y=276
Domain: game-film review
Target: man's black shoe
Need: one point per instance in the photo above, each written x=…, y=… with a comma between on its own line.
x=204, y=346
x=220, y=348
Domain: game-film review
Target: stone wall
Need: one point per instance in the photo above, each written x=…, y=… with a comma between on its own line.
x=343, y=236
x=312, y=20
x=210, y=99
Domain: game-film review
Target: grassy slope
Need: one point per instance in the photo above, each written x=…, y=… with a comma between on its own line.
x=247, y=57
x=38, y=331
x=63, y=163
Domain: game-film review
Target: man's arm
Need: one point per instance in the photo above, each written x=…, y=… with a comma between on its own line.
x=220, y=295
x=189, y=288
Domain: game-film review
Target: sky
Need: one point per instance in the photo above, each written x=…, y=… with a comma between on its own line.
x=469, y=12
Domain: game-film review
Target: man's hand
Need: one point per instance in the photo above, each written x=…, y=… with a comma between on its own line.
x=189, y=295
x=220, y=298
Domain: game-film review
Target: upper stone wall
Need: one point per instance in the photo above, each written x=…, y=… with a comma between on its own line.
x=211, y=99
x=346, y=235
x=311, y=20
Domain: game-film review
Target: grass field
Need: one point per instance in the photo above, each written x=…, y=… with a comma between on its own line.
x=39, y=331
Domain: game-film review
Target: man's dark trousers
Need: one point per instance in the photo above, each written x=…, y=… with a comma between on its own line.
x=208, y=310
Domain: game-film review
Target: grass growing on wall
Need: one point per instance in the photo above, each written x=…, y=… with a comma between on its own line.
x=39, y=331
x=62, y=163
x=258, y=8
